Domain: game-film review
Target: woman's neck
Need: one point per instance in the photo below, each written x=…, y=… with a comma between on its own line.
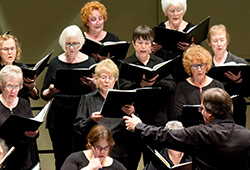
x=103, y=93
x=175, y=156
x=220, y=58
x=98, y=36
x=9, y=103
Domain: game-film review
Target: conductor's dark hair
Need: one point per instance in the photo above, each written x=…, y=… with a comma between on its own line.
x=218, y=102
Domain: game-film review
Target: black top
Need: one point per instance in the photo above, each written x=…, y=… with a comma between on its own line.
x=179, y=74
x=236, y=88
x=78, y=160
x=64, y=107
x=164, y=153
x=156, y=113
x=24, y=92
x=91, y=103
x=109, y=37
x=187, y=94
x=222, y=144
x=25, y=155
x=167, y=55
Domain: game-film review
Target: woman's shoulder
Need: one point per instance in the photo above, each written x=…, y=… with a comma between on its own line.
x=110, y=37
x=117, y=165
x=232, y=57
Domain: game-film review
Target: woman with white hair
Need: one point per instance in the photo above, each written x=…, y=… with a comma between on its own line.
x=63, y=110
x=25, y=156
x=174, y=10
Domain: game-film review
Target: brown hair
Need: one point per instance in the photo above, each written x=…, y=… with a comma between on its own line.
x=198, y=52
x=144, y=32
x=100, y=132
x=5, y=37
x=87, y=9
x=218, y=102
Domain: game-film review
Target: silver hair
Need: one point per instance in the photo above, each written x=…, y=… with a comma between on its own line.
x=10, y=71
x=71, y=31
x=165, y=4
x=4, y=146
x=174, y=125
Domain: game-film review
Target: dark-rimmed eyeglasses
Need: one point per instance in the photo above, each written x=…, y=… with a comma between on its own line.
x=99, y=148
x=73, y=44
x=202, y=65
x=200, y=109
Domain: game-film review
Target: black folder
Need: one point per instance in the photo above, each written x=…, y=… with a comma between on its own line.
x=168, y=38
x=115, y=99
x=117, y=49
x=135, y=72
x=161, y=163
x=38, y=68
x=218, y=72
x=191, y=116
x=68, y=81
x=16, y=124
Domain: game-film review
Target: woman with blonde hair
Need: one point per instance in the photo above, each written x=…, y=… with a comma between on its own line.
x=88, y=114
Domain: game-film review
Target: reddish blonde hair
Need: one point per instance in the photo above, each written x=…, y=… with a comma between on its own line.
x=87, y=9
x=196, y=52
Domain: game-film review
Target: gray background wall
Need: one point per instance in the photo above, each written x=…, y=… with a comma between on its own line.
x=38, y=24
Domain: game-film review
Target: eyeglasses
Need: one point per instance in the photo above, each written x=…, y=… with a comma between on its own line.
x=200, y=109
x=177, y=10
x=106, y=77
x=10, y=87
x=94, y=20
x=99, y=148
x=7, y=49
x=73, y=45
x=202, y=65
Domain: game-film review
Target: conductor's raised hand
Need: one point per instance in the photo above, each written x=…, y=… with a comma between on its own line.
x=148, y=82
x=131, y=122
x=96, y=116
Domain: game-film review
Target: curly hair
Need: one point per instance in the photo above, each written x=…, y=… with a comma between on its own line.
x=5, y=37
x=199, y=53
x=87, y=9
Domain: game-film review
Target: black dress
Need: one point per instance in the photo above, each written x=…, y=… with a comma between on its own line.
x=62, y=112
x=187, y=94
x=78, y=160
x=25, y=155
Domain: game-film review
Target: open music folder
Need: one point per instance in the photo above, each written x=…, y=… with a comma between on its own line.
x=169, y=39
